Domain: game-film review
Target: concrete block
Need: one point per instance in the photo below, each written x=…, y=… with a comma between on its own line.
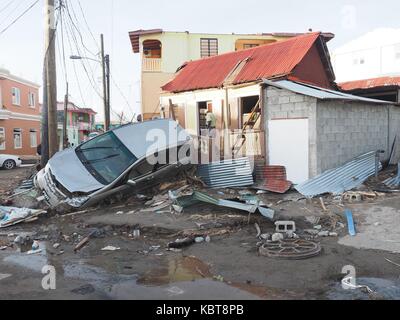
x=297, y=98
x=284, y=100
x=285, y=226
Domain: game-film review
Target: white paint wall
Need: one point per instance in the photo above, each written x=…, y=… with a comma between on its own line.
x=289, y=146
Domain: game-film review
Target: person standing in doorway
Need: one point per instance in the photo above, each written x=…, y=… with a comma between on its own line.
x=211, y=120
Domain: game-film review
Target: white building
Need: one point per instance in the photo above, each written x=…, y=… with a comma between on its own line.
x=372, y=55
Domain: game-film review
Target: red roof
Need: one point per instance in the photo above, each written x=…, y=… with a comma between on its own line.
x=371, y=83
x=74, y=108
x=268, y=61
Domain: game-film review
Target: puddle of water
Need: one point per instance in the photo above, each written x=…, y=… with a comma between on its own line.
x=187, y=290
x=34, y=262
x=383, y=288
x=177, y=270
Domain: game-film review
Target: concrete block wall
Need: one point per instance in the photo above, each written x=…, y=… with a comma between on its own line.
x=394, y=124
x=283, y=104
x=348, y=129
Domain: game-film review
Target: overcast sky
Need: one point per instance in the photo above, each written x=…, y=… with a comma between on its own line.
x=21, y=46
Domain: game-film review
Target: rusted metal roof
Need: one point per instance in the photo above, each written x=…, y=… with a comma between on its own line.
x=135, y=35
x=370, y=83
x=268, y=61
x=274, y=179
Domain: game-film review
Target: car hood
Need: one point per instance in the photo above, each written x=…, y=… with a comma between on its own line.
x=71, y=173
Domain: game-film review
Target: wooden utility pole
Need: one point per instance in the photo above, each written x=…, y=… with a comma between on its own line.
x=105, y=90
x=51, y=77
x=108, y=76
x=65, y=133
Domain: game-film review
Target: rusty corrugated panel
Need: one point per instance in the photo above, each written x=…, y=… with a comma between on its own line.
x=370, y=83
x=274, y=179
x=268, y=61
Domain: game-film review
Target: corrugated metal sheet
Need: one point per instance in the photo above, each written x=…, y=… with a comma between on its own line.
x=228, y=173
x=395, y=181
x=345, y=178
x=277, y=59
x=274, y=179
x=371, y=83
x=248, y=206
x=319, y=93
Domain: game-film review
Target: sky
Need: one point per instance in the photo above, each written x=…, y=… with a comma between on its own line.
x=22, y=45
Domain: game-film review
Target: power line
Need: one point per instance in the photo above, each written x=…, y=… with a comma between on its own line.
x=87, y=25
x=75, y=25
x=11, y=12
x=19, y=17
x=74, y=67
x=75, y=41
x=6, y=6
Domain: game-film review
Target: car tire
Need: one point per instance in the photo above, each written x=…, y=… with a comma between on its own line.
x=9, y=164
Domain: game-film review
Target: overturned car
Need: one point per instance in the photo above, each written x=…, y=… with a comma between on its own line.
x=131, y=157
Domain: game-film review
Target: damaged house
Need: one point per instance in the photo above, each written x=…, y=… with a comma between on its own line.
x=283, y=107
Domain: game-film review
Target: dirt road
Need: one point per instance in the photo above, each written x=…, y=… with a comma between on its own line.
x=227, y=267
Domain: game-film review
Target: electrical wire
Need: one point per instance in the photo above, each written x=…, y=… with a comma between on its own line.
x=4, y=8
x=19, y=17
x=11, y=12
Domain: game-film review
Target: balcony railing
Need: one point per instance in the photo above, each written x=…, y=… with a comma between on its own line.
x=84, y=126
x=151, y=64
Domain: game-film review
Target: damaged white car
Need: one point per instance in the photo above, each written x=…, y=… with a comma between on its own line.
x=131, y=157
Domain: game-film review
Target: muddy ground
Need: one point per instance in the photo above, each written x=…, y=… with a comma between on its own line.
x=227, y=267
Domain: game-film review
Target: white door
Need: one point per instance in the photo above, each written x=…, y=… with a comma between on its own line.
x=288, y=146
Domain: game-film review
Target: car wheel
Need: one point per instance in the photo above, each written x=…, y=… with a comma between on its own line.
x=9, y=164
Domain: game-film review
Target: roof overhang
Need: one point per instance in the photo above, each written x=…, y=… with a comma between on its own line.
x=321, y=93
x=135, y=35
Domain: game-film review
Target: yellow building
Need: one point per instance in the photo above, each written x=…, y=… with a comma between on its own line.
x=162, y=53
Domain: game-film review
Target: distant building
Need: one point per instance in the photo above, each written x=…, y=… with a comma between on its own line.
x=80, y=123
x=162, y=53
x=373, y=55
x=19, y=115
x=113, y=125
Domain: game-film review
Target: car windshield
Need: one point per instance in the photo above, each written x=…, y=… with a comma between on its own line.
x=105, y=157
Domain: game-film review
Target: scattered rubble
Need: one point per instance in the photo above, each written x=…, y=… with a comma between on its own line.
x=11, y=216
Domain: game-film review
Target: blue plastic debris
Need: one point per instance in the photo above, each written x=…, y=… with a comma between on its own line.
x=350, y=222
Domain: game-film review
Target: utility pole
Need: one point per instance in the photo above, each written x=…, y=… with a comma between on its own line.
x=50, y=89
x=105, y=66
x=108, y=76
x=65, y=134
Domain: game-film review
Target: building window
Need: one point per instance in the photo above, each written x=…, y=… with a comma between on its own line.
x=33, y=138
x=208, y=47
x=17, y=138
x=16, y=96
x=2, y=139
x=31, y=99
x=250, y=45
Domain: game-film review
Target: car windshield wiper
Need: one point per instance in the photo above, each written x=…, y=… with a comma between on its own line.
x=94, y=148
x=101, y=159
